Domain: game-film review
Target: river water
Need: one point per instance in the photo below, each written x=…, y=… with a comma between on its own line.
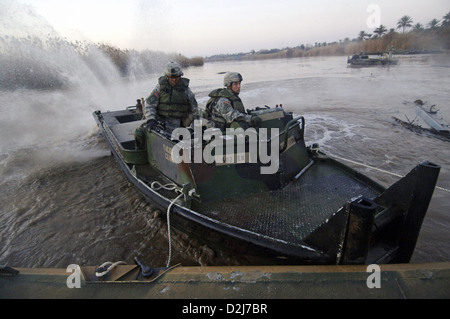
x=63, y=199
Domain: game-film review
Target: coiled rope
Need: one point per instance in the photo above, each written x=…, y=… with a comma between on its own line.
x=380, y=170
x=169, y=187
x=106, y=267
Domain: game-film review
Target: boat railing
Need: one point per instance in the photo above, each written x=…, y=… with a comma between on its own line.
x=290, y=125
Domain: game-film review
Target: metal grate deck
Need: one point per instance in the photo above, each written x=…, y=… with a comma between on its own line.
x=293, y=212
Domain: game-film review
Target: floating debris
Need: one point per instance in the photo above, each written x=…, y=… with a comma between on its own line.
x=426, y=120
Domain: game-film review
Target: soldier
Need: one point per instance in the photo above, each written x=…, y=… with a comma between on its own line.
x=225, y=107
x=171, y=102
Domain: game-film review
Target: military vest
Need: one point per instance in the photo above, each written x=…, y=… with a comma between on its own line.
x=172, y=99
x=215, y=95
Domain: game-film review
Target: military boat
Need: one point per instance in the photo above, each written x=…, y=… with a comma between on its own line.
x=369, y=59
x=287, y=204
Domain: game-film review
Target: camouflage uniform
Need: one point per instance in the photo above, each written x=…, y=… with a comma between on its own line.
x=153, y=101
x=225, y=107
x=175, y=106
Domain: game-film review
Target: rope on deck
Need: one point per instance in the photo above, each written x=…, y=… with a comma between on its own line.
x=380, y=170
x=171, y=187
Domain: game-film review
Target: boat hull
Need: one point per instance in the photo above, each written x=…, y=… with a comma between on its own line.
x=318, y=212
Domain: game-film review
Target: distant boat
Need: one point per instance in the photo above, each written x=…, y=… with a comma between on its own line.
x=369, y=59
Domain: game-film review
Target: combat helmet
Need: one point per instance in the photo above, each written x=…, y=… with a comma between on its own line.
x=173, y=68
x=231, y=77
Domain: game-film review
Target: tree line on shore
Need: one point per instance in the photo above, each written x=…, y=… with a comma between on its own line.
x=413, y=38
x=42, y=63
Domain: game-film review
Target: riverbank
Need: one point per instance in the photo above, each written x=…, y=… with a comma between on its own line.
x=417, y=42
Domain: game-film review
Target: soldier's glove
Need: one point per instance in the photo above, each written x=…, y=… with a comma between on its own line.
x=151, y=124
x=255, y=121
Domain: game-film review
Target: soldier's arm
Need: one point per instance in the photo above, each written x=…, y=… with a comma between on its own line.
x=192, y=103
x=225, y=109
x=152, y=103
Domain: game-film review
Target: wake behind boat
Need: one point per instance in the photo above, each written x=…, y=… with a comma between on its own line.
x=310, y=210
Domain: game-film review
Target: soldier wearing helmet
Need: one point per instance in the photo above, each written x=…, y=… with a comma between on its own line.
x=225, y=108
x=171, y=102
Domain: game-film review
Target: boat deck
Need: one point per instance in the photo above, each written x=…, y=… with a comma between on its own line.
x=289, y=214
x=293, y=212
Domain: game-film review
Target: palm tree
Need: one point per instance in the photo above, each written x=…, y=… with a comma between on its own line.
x=380, y=30
x=404, y=22
x=418, y=27
x=363, y=35
x=446, y=21
x=433, y=24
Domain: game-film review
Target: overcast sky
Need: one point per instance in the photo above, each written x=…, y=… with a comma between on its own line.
x=207, y=27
